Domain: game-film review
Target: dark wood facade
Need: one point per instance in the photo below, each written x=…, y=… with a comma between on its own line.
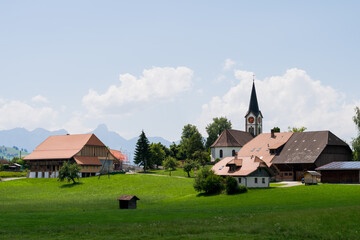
x=340, y=176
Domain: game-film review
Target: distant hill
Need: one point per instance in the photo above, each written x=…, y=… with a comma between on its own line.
x=29, y=140
x=11, y=152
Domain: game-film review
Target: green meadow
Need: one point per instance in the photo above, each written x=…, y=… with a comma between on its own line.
x=169, y=208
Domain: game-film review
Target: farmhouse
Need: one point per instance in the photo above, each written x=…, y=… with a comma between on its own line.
x=84, y=149
x=307, y=151
x=251, y=171
x=340, y=172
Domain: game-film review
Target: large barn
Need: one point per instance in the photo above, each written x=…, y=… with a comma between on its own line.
x=307, y=151
x=340, y=172
x=84, y=149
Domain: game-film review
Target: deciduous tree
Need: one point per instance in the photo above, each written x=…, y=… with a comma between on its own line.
x=70, y=172
x=170, y=164
x=157, y=153
x=215, y=128
x=295, y=129
x=191, y=140
x=356, y=141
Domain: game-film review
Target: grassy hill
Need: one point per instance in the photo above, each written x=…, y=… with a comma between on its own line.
x=169, y=208
x=10, y=152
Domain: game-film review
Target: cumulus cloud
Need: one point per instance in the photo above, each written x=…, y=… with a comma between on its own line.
x=229, y=64
x=20, y=114
x=292, y=99
x=39, y=99
x=155, y=84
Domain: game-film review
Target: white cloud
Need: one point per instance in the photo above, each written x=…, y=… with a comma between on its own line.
x=293, y=99
x=220, y=79
x=40, y=99
x=155, y=84
x=229, y=64
x=19, y=114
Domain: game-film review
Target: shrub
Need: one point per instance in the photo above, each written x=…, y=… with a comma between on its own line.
x=242, y=189
x=231, y=185
x=208, y=182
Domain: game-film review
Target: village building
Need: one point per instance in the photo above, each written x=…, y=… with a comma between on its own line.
x=4, y=161
x=121, y=159
x=340, y=172
x=251, y=172
x=307, y=151
x=84, y=149
x=228, y=143
x=311, y=177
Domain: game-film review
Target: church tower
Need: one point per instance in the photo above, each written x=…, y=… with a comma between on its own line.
x=253, y=118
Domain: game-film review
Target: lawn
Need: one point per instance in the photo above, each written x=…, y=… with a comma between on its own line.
x=179, y=172
x=5, y=174
x=169, y=208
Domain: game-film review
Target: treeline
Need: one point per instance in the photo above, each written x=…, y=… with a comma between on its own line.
x=193, y=149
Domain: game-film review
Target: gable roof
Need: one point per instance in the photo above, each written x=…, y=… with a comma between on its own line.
x=4, y=161
x=253, y=105
x=306, y=147
x=232, y=138
x=128, y=197
x=248, y=166
x=63, y=146
x=85, y=160
x=261, y=144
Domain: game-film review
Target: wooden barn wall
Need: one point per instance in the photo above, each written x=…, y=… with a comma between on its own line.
x=340, y=176
x=334, y=154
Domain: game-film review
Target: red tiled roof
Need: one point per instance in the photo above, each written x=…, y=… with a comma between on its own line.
x=83, y=160
x=63, y=146
x=118, y=154
x=259, y=146
x=249, y=165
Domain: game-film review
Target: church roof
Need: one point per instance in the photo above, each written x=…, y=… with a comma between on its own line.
x=306, y=147
x=232, y=138
x=254, y=106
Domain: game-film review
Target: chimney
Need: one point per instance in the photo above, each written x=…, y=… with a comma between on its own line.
x=272, y=133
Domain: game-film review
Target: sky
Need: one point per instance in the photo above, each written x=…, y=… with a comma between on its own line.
x=159, y=65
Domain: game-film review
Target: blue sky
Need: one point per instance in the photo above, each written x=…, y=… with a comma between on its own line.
x=159, y=65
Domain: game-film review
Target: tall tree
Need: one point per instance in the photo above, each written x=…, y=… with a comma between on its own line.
x=70, y=172
x=295, y=129
x=215, y=128
x=356, y=141
x=142, y=152
x=191, y=140
x=157, y=153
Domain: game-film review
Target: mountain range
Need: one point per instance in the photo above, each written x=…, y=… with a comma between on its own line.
x=23, y=138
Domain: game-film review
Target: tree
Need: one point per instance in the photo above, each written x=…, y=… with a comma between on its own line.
x=170, y=164
x=276, y=129
x=215, y=128
x=356, y=141
x=190, y=165
x=142, y=152
x=157, y=153
x=295, y=129
x=201, y=156
x=191, y=140
x=207, y=181
x=70, y=172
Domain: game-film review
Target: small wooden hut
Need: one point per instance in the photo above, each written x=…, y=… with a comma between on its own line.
x=127, y=201
x=311, y=177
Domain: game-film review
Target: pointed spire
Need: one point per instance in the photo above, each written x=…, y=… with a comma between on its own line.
x=253, y=106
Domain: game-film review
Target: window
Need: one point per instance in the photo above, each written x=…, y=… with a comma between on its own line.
x=221, y=153
x=263, y=180
x=255, y=180
x=239, y=179
x=233, y=152
x=286, y=174
x=251, y=130
x=290, y=174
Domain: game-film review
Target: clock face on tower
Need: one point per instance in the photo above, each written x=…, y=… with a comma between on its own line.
x=251, y=120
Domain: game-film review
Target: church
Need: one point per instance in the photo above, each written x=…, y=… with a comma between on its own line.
x=280, y=155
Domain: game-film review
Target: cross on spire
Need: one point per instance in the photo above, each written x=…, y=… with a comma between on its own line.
x=253, y=77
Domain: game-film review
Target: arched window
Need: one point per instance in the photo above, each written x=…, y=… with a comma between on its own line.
x=251, y=130
x=233, y=152
x=221, y=153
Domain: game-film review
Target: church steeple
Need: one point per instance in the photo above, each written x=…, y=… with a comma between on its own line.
x=253, y=118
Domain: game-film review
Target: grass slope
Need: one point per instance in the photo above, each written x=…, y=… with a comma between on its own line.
x=170, y=209
x=5, y=174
